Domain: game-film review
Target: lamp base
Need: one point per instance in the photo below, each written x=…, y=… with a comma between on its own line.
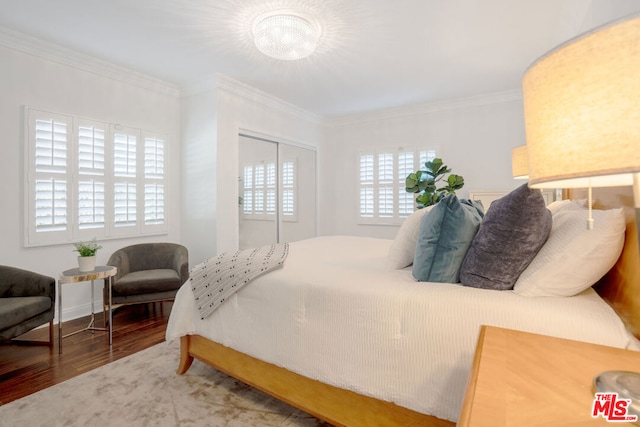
x=625, y=383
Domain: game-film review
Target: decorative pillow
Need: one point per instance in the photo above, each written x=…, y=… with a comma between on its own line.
x=574, y=258
x=445, y=236
x=511, y=234
x=403, y=247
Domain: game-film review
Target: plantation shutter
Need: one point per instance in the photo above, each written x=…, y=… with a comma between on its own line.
x=91, y=176
x=271, y=189
x=48, y=192
x=386, y=184
x=124, y=190
x=383, y=198
x=51, y=142
x=288, y=190
x=366, y=186
x=426, y=156
x=258, y=189
x=51, y=204
x=406, y=165
x=154, y=187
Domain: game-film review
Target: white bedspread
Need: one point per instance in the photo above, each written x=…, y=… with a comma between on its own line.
x=335, y=314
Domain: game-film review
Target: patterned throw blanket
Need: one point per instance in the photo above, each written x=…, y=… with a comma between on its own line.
x=216, y=279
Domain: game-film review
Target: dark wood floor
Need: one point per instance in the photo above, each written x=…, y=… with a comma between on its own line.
x=25, y=369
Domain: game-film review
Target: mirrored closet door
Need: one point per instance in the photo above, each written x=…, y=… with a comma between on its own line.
x=277, y=192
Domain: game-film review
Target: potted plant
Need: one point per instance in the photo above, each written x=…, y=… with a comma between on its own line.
x=426, y=181
x=87, y=254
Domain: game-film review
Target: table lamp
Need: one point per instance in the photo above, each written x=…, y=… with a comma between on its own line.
x=520, y=162
x=582, y=123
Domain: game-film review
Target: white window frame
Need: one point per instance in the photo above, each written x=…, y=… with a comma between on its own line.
x=381, y=196
x=98, y=174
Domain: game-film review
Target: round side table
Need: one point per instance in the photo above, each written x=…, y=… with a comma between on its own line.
x=74, y=275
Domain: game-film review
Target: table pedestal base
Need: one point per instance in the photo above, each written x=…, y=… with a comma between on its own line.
x=73, y=276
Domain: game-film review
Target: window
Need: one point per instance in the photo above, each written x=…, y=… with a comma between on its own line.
x=383, y=199
x=88, y=179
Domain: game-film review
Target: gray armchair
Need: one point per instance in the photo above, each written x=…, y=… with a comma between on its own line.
x=27, y=300
x=148, y=272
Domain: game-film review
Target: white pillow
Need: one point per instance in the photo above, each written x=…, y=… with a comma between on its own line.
x=403, y=247
x=560, y=205
x=574, y=258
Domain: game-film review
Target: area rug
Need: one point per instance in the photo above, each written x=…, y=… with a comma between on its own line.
x=144, y=390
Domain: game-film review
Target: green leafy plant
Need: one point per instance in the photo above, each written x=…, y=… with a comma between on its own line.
x=87, y=248
x=427, y=183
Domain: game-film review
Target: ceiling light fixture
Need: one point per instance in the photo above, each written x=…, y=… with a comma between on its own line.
x=286, y=34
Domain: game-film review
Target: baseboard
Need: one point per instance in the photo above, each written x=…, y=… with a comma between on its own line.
x=71, y=313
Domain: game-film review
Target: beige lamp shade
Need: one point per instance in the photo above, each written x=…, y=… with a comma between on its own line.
x=582, y=110
x=520, y=162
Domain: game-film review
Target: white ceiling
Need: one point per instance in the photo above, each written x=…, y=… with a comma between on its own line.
x=372, y=54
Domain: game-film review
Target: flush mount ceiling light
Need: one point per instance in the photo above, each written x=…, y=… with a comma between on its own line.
x=286, y=34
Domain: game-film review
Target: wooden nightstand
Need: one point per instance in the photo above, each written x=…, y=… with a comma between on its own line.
x=523, y=379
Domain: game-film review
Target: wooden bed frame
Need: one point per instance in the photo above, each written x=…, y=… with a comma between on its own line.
x=339, y=407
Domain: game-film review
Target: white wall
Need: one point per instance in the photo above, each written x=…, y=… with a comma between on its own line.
x=473, y=136
x=72, y=84
x=199, y=178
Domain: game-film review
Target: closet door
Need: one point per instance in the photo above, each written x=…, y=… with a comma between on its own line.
x=276, y=192
x=297, y=193
x=257, y=192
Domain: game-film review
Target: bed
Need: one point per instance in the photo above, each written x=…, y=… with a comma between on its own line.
x=312, y=332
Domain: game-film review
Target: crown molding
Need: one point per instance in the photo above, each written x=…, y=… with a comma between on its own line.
x=421, y=109
x=65, y=56
x=250, y=93
x=194, y=88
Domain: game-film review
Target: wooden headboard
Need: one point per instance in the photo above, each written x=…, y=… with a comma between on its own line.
x=620, y=287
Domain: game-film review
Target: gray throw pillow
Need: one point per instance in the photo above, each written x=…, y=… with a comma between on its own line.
x=514, y=229
x=444, y=237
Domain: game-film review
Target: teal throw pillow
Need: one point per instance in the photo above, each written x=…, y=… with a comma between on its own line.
x=445, y=235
